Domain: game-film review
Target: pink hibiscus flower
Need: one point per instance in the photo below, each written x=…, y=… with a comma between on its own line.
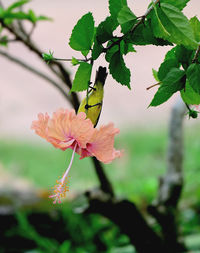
x=67, y=130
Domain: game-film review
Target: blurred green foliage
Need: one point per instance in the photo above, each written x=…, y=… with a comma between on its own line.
x=60, y=230
x=134, y=176
x=131, y=175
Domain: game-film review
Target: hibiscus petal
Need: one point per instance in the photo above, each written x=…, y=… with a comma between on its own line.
x=40, y=125
x=101, y=144
x=64, y=129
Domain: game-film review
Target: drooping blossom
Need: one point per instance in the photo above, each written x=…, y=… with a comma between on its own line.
x=66, y=130
x=101, y=144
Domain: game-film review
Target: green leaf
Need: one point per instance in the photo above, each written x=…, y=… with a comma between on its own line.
x=8, y=21
x=118, y=69
x=170, y=54
x=128, y=48
x=126, y=18
x=180, y=4
x=166, y=66
x=189, y=96
x=97, y=50
x=173, y=82
x=125, y=48
x=48, y=57
x=43, y=18
x=83, y=33
x=115, y=6
x=8, y=16
x=15, y=15
x=155, y=75
x=143, y=35
x=82, y=77
x=64, y=247
x=32, y=16
x=158, y=28
x=85, y=52
x=177, y=25
x=74, y=61
x=105, y=30
x=125, y=15
x=110, y=52
x=17, y=5
x=195, y=24
x=2, y=11
x=184, y=56
x=193, y=76
x=4, y=41
x=122, y=47
x=125, y=28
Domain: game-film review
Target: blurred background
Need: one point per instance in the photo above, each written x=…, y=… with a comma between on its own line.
x=23, y=95
x=29, y=166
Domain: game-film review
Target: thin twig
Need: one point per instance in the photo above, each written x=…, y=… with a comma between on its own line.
x=36, y=50
x=148, y=88
x=8, y=40
x=187, y=107
x=34, y=71
x=58, y=69
x=106, y=185
x=195, y=59
x=21, y=27
x=63, y=59
x=31, y=31
x=142, y=18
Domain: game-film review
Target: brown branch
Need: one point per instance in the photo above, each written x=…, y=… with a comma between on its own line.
x=7, y=40
x=164, y=208
x=128, y=218
x=141, y=21
x=59, y=70
x=21, y=28
x=56, y=67
x=195, y=59
x=31, y=31
x=144, y=16
x=34, y=71
x=105, y=184
x=174, y=175
x=30, y=45
x=63, y=59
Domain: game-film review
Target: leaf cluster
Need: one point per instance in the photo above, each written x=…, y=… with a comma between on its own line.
x=180, y=71
x=3, y=38
x=15, y=12
x=163, y=24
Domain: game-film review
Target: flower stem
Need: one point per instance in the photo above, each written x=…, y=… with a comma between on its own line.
x=70, y=165
x=61, y=188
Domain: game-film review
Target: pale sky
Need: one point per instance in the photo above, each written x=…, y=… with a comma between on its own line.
x=23, y=95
